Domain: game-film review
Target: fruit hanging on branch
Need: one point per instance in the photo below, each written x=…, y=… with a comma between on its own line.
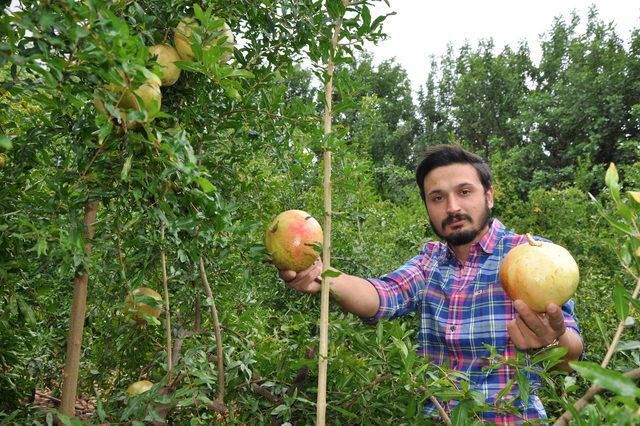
x=3, y=160
x=293, y=240
x=220, y=36
x=166, y=56
x=139, y=387
x=143, y=301
x=539, y=273
x=148, y=92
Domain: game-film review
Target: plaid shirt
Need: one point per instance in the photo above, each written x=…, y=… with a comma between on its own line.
x=463, y=306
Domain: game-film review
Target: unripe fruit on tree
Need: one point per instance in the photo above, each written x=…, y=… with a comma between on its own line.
x=3, y=160
x=136, y=309
x=291, y=240
x=149, y=92
x=166, y=56
x=139, y=387
x=539, y=273
x=183, y=44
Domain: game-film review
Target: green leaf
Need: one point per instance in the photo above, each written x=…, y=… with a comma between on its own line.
x=5, y=142
x=335, y=8
x=601, y=329
x=629, y=345
x=230, y=90
x=345, y=105
x=554, y=355
x=620, y=302
x=608, y=379
x=102, y=415
x=410, y=412
x=205, y=185
x=523, y=387
x=459, y=414
x=330, y=273
x=104, y=132
x=400, y=344
x=279, y=409
x=125, y=168
x=379, y=332
x=344, y=412
x=506, y=389
x=634, y=302
x=241, y=73
x=27, y=312
x=366, y=18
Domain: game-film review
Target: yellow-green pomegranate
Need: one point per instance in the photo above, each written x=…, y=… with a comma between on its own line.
x=539, y=273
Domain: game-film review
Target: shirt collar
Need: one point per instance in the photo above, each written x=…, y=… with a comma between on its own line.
x=488, y=241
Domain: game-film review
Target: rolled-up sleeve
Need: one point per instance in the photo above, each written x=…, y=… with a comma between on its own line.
x=400, y=290
x=571, y=322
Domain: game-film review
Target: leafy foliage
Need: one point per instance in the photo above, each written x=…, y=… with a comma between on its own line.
x=233, y=144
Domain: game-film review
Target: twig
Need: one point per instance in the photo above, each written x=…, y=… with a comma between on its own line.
x=594, y=390
x=371, y=385
x=443, y=414
x=216, y=326
x=165, y=286
x=49, y=397
x=198, y=311
x=303, y=372
x=618, y=334
x=265, y=393
x=567, y=416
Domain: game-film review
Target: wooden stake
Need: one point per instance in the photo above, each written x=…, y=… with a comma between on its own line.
x=76, y=325
x=321, y=402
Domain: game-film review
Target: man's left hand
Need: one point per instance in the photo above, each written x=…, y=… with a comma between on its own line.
x=532, y=330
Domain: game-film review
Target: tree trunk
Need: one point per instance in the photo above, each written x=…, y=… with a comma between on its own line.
x=78, y=309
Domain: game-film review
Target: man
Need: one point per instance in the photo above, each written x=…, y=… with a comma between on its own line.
x=455, y=285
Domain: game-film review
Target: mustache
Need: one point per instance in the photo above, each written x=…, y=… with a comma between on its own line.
x=456, y=217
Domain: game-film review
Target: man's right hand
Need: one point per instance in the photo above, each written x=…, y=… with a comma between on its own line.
x=307, y=281
x=353, y=294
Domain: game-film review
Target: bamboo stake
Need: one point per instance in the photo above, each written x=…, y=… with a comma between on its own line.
x=216, y=327
x=76, y=325
x=165, y=286
x=321, y=402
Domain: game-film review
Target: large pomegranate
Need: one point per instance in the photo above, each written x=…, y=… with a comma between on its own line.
x=539, y=273
x=292, y=239
x=183, y=43
x=149, y=92
x=166, y=56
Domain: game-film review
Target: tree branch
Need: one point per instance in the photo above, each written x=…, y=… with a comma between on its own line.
x=594, y=390
x=216, y=326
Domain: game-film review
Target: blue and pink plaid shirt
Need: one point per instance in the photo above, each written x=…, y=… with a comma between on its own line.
x=462, y=307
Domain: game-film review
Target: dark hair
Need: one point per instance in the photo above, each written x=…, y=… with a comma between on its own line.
x=444, y=155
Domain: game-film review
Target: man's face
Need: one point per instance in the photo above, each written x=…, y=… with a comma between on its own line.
x=458, y=207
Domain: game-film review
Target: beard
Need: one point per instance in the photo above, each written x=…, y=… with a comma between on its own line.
x=462, y=237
